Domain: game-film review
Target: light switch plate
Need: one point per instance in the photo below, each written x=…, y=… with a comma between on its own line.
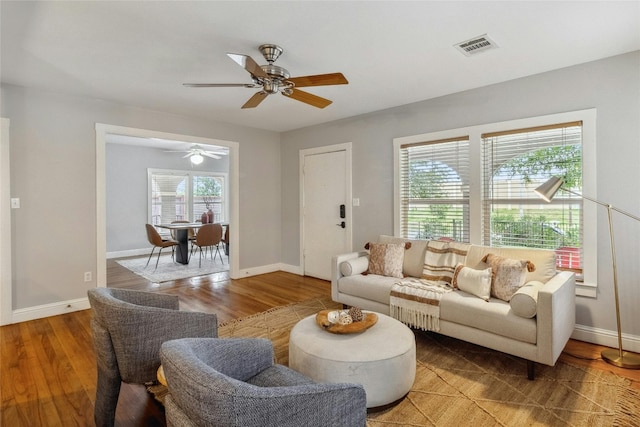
x=356, y=202
x=15, y=203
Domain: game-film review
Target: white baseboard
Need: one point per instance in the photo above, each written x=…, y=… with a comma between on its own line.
x=130, y=252
x=606, y=338
x=254, y=271
x=293, y=269
x=47, y=310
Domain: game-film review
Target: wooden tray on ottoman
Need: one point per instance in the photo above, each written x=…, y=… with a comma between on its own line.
x=322, y=319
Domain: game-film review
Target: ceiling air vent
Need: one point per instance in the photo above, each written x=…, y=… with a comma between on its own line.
x=476, y=45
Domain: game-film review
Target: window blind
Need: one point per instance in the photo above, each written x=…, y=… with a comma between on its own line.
x=514, y=164
x=168, y=197
x=434, y=189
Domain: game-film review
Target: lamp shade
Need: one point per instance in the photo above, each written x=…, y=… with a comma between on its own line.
x=549, y=189
x=196, y=159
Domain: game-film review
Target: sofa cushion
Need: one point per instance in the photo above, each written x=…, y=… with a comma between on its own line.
x=441, y=259
x=413, y=257
x=475, y=282
x=354, y=266
x=524, y=302
x=372, y=287
x=543, y=259
x=507, y=275
x=494, y=316
x=386, y=259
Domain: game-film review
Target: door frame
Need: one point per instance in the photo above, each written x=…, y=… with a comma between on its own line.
x=101, y=228
x=347, y=148
x=6, y=278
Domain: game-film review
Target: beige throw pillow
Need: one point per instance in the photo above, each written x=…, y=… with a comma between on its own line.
x=474, y=282
x=508, y=275
x=385, y=259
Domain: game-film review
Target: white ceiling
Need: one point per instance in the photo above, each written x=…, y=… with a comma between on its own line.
x=392, y=52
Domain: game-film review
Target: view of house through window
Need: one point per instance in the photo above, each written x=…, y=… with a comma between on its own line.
x=434, y=190
x=186, y=195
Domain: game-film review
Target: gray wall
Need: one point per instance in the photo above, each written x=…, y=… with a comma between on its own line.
x=53, y=172
x=612, y=86
x=126, y=190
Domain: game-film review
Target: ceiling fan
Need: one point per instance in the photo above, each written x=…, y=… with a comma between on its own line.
x=274, y=79
x=196, y=153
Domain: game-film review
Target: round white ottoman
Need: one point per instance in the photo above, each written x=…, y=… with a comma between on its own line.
x=381, y=358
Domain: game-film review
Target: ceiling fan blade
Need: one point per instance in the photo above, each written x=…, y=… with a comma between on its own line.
x=213, y=156
x=187, y=155
x=255, y=100
x=248, y=85
x=248, y=64
x=319, y=80
x=308, y=98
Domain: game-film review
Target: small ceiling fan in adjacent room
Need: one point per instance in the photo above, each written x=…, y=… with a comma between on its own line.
x=197, y=154
x=273, y=79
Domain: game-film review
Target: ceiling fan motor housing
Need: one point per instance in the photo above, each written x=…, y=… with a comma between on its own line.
x=271, y=52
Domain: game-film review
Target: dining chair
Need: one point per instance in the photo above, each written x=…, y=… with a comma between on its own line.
x=208, y=236
x=158, y=242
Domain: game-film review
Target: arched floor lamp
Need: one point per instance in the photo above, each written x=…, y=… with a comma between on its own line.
x=617, y=357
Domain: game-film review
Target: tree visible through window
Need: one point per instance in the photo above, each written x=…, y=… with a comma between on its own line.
x=515, y=163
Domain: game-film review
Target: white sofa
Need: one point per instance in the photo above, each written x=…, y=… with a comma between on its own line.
x=535, y=325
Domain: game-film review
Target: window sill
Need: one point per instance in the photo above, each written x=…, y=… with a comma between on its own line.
x=588, y=291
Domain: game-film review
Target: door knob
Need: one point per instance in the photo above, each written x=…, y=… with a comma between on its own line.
x=342, y=224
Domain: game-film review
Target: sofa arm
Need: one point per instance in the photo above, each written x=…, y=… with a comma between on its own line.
x=335, y=269
x=556, y=316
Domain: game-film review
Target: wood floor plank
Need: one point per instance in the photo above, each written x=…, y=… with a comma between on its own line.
x=47, y=366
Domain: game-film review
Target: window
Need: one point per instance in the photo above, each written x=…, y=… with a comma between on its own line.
x=185, y=195
x=515, y=163
x=479, y=188
x=434, y=186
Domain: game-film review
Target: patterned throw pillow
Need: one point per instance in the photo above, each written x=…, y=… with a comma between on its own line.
x=385, y=259
x=441, y=260
x=508, y=275
x=474, y=282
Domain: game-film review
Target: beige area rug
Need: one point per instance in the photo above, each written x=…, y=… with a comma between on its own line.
x=169, y=270
x=463, y=384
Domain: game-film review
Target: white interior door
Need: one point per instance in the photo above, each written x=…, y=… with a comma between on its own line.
x=326, y=226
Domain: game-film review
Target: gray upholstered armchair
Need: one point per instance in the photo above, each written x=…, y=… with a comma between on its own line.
x=234, y=382
x=128, y=329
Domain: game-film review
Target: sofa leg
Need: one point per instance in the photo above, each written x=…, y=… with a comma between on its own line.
x=531, y=367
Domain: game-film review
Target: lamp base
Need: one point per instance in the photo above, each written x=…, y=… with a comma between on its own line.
x=627, y=360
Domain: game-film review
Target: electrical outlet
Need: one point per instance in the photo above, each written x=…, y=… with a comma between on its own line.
x=87, y=276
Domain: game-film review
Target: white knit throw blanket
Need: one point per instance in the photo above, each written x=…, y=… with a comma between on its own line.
x=416, y=302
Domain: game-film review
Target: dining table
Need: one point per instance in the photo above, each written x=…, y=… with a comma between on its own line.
x=182, y=237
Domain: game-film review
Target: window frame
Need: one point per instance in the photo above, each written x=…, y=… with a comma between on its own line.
x=189, y=196
x=589, y=182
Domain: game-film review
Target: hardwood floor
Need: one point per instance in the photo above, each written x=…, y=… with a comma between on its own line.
x=47, y=366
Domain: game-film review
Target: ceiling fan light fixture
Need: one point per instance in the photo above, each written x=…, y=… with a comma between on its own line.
x=196, y=159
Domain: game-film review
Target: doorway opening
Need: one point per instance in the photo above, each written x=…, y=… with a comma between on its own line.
x=102, y=132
